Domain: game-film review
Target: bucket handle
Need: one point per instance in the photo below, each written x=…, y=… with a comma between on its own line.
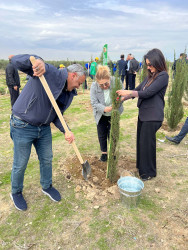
x=130, y=195
x=128, y=172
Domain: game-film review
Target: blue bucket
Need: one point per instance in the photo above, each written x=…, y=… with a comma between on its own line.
x=130, y=189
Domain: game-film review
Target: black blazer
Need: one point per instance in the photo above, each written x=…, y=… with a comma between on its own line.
x=151, y=99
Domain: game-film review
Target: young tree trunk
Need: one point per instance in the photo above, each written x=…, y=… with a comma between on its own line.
x=114, y=132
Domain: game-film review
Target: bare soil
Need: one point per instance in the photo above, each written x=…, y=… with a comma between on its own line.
x=98, y=173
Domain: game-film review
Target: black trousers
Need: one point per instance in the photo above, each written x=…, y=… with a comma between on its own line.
x=146, y=147
x=122, y=78
x=13, y=95
x=127, y=82
x=131, y=81
x=103, y=130
x=85, y=85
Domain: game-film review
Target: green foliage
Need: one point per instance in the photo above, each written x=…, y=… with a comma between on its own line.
x=144, y=72
x=65, y=63
x=2, y=90
x=174, y=111
x=186, y=83
x=3, y=64
x=114, y=133
x=168, y=66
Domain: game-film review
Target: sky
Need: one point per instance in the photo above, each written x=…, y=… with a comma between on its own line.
x=78, y=30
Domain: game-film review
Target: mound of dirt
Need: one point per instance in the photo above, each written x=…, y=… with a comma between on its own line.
x=166, y=127
x=98, y=186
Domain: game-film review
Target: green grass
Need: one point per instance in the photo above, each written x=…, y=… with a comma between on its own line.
x=49, y=225
x=147, y=204
x=100, y=226
x=126, y=137
x=102, y=244
x=57, y=136
x=126, y=116
x=160, y=135
x=82, y=130
x=5, y=178
x=159, y=149
x=75, y=110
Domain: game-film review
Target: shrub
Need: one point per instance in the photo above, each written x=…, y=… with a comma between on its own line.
x=174, y=111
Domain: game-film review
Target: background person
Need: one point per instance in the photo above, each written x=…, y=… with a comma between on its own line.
x=122, y=66
x=150, y=94
x=126, y=73
x=178, y=138
x=132, y=70
x=102, y=106
x=13, y=81
x=61, y=66
x=31, y=118
x=93, y=68
x=114, y=69
x=183, y=56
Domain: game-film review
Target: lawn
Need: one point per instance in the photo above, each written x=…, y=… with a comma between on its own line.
x=102, y=221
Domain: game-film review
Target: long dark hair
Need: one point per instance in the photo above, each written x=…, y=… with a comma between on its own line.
x=157, y=60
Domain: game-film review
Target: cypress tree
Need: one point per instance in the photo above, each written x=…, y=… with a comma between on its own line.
x=144, y=71
x=114, y=132
x=174, y=111
x=186, y=83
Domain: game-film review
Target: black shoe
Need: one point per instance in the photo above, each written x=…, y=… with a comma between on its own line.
x=103, y=157
x=146, y=178
x=172, y=139
x=52, y=193
x=19, y=201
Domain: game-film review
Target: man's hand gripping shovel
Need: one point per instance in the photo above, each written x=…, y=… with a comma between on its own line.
x=86, y=168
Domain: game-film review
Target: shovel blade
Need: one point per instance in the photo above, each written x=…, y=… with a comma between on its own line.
x=86, y=169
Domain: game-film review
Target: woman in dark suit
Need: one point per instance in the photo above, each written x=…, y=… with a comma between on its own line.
x=150, y=94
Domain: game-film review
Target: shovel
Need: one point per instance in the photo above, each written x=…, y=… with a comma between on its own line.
x=86, y=168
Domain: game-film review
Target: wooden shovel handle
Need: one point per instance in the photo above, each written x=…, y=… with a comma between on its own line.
x=57, y=110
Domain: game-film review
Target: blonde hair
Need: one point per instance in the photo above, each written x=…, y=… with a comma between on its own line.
x=103, y=72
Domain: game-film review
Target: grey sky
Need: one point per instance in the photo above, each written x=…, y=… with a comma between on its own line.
x=76, y=29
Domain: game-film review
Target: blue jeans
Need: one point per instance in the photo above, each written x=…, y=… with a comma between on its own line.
x=24, y=135
x=183, y=132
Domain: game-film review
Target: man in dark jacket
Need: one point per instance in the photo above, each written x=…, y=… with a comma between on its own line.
x=122, y=66
x=133, y=68
x=13, y=81
x=31, y=117
x=182, y=58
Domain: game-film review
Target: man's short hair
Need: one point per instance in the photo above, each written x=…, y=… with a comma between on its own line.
x=77, y=68
x=122, y=56
x=183, y=55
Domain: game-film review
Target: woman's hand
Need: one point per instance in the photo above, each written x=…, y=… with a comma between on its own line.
x=123, y=92
x=39, y=68
x=107, y=109
x=123, y=99
x=69, y=136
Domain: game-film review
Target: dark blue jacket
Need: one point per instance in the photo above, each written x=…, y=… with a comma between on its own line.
x=122, y=64
x=33, y=104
